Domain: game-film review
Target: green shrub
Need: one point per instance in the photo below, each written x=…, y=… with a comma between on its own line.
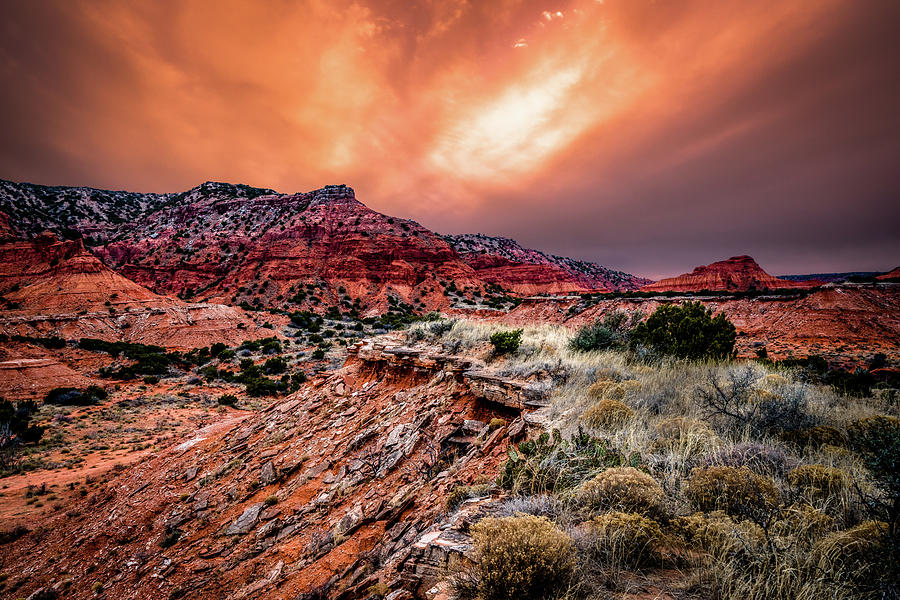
x=687, y=331
x=506, y=342
x=523, y=557
x=75, y=397
x=16, y=427
x=737, y=491
x=611, y=333
x=274, y=366
x=262, y=386
x=625, y=489
x=227, y=400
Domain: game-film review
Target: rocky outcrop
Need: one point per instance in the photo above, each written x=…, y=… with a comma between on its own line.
x=890, y=275
x=737, y=274
x=57, y=287
x=482, y=383
x=232, y=243
x=504, y=262
x=327, y=492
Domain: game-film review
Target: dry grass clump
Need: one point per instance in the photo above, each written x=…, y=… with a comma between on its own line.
x=607, y=414
x=684, y=437
x=626, y=538
x=818, y=481
x=763, y=459
x=736, y=491
x=803, y=522
x=717, y=533
x=625, y=489
x=517, y=557
x=815, y=437
x=599, y=388
x=855, y=562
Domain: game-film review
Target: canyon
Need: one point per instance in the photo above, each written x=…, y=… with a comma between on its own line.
x=359, y=470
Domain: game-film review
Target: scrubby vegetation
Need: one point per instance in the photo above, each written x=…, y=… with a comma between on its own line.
x=75, y=397
x=16, y=430
x=523, y=557
x=749, y=478
x=506, y=342
x=686, y=331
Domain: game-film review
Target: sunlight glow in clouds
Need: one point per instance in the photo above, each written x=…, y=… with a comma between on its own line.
x=651, y=116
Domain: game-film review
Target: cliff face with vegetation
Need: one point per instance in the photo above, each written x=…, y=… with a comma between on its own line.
x=234, y=244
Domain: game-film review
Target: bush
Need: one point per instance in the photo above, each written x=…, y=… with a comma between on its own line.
x=759, y=458
x=629, y=539
x=607, y=414
x=877, y=440
x=732, y=396
x=546, y=465
x=461, y=493
x=625, y=489
x=274, y=366
x=16, y=429
x=612, y=333
x=227, y=400
x=75, y=397
x=262, y=386
x=506, y=342
x=496, y=423
x=688, y=331
x=683, y=436
x=523, y=557
x=606, y=388
x=818, y=482
x=857, y=562
x=737, y=491
x=717, y=533
x=815, y=437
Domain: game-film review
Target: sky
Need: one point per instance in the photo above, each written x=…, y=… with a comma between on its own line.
x=647, y=135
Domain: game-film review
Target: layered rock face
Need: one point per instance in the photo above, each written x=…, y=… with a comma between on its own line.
x=270, y=246
x=737, y=274
x=504, y=262
x=323, y=494
x=234, y=243
x=54, y=287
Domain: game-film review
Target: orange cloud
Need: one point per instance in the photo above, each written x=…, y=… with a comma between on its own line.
x=457, y=113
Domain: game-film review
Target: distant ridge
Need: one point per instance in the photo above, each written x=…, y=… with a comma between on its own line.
x=737, y=274
x=235, y=244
